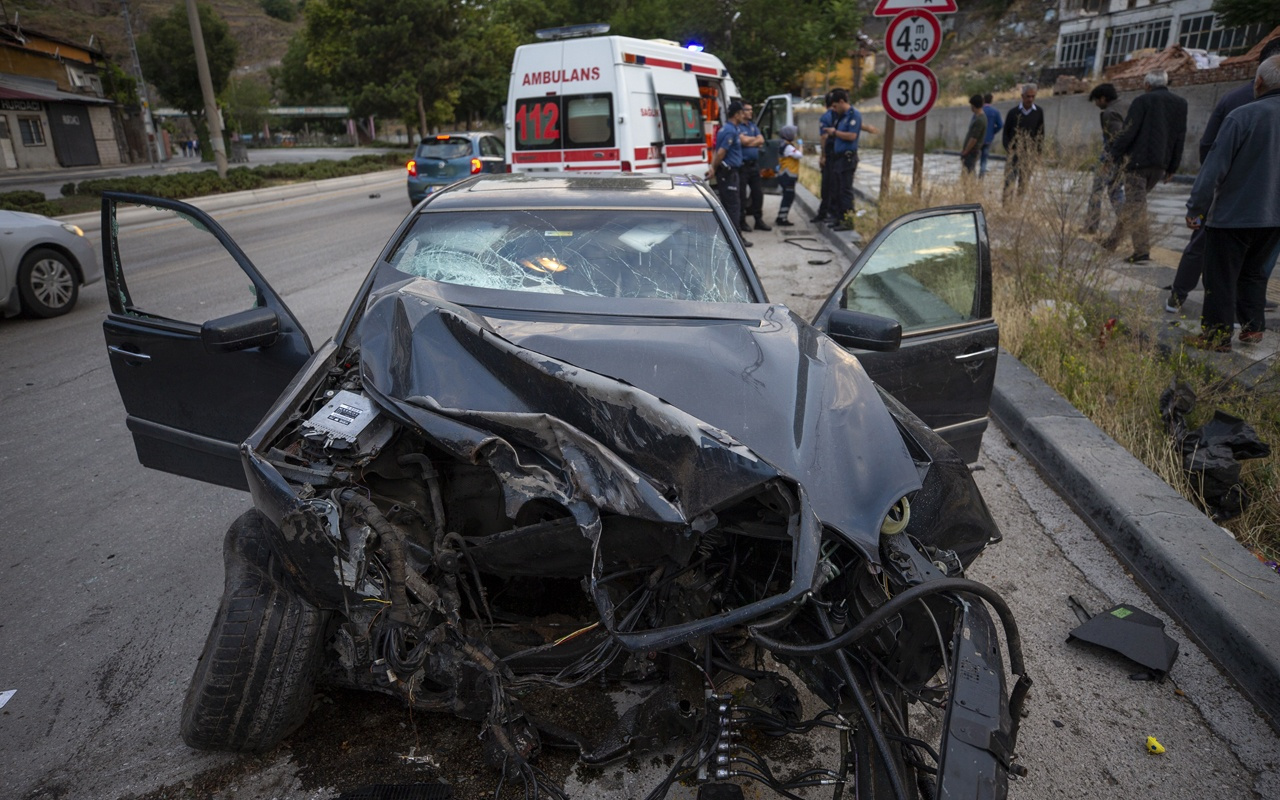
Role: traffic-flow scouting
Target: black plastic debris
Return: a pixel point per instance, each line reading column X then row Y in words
column 400, row 791
column 1132, row 633
column 1211, row 454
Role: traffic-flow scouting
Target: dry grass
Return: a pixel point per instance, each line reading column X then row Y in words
column 1093, row 337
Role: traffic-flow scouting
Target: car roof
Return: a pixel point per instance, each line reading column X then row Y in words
column 569, row 190
column 472, row 135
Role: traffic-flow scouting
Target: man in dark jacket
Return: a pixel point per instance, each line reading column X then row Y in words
column 1234, row 199
column 1106, row 175
column 1150, row 150
column 1192, row 262
column 1023, row 137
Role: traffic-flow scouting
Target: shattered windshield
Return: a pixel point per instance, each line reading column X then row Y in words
column 676, row 255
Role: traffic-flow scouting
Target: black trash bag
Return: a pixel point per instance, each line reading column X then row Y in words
column 1212, row 453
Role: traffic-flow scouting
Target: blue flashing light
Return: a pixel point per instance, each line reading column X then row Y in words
column 695, row 47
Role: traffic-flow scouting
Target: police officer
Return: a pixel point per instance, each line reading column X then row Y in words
column 726, row 164
column 752, row 197
column 826, row 162
column 845, row 151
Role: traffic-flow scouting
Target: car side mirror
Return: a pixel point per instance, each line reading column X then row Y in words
column 257, row 327
column 864, row 331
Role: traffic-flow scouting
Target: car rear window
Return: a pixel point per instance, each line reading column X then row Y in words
column 677, row 255
column 451, row 147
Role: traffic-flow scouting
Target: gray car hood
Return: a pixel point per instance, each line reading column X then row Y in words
column 660, row 418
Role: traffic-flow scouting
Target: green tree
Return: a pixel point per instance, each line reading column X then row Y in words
column 1248, row 12
column 296, row 84
column 402, row 59
column 245, row 102
column 168, row 58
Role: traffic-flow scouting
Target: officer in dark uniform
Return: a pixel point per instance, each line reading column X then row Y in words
column 845, row 132
column 752, row 197
column 726, row 164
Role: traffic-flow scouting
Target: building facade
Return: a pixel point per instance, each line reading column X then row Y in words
column 53, row 112
column 1096, row 34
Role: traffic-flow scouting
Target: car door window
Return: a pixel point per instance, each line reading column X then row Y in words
column 772, row 118
column 925, row 275
column 490, row 147
column 185, row 275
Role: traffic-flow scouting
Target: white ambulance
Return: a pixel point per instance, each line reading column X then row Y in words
column 613, row 104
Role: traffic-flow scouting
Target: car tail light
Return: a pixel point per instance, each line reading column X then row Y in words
column 412, row 166
column 626, row 166
column 475, row 166
column 508, row 167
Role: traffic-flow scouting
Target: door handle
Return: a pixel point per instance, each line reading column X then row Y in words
column 111, row 348
column 990, row 351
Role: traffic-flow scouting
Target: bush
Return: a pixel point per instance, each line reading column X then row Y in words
column 21, row 199
column 69, row 189
column 280, row 9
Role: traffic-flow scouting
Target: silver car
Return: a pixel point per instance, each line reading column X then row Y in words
column 43, row 263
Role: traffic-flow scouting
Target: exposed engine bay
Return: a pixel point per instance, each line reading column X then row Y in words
column 468, row 558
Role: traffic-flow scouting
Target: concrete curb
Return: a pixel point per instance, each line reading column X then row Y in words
column 91, row 222
column 1221, row 595
column 1217, row 590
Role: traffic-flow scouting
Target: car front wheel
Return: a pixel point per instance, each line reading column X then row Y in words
column 47, row 283
column 253, row 685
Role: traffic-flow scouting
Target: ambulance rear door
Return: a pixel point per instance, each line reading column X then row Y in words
column 561, row 108
column 775, row 113
column 681, row 141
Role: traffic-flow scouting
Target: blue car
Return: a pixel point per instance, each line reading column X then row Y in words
column 449, row 157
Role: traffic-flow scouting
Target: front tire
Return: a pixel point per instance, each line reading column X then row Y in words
column 48, row 283
column 253, row 685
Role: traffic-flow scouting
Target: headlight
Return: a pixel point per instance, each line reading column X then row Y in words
column 69, row 228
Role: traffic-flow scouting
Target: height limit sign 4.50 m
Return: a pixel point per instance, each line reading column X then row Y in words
column 913, row 36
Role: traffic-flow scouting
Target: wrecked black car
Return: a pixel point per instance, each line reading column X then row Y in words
column 561, row 439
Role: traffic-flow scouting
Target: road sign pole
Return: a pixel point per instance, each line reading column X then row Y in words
column 917, row 158
column 887, row 159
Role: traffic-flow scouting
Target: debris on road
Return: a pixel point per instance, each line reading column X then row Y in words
column 1154, row 747
column 1132, row 633
column 1212, row 453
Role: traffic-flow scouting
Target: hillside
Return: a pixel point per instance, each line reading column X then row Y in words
column 262, row 38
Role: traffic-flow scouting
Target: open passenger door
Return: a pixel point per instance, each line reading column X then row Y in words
column 930, row 272
column 776, row 112
column 206, row 346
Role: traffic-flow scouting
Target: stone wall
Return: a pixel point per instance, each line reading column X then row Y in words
column 1071, row 121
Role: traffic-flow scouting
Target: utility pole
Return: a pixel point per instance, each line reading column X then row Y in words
column 211, row 113
column 148, row 124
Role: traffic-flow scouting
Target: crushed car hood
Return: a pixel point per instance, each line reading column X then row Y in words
column 649, row 416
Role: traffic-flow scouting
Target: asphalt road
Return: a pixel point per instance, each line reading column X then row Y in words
column 112, row 572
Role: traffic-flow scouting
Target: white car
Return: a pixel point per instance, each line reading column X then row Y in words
column 43, row 263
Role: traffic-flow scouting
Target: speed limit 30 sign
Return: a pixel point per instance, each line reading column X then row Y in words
column 909, row 92
column 913, row 36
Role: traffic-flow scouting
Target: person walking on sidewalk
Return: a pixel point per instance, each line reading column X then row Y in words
column 726, row 164
column 994, row 126
column 1023, row 138
column 846, row 131
column 974, row 137
column 1191, row 265
column 752, row 197
column 1149, row 150
column 1235, row 200
column 788, row 173
column 1106, row 175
